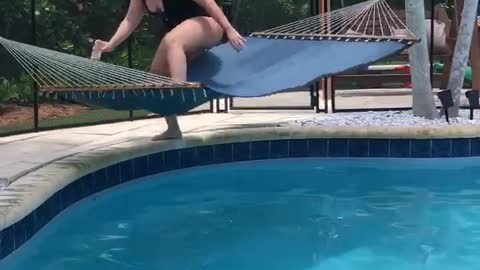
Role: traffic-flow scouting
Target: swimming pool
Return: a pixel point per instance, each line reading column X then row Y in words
column 287, row 214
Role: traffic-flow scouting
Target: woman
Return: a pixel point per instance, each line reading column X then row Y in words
column 192, row 27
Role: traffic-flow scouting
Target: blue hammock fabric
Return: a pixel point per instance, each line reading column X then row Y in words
column 264, row 67
column 267, row 66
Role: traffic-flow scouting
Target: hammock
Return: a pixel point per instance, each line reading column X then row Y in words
column 275, row 60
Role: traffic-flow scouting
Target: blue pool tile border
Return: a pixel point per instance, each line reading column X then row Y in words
column 14, row 236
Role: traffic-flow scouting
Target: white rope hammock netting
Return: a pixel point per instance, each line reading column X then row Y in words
column 370, row 20
column 58, row 71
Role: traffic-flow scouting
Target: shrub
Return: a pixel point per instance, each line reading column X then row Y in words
column 6, row 92
column 18, row 89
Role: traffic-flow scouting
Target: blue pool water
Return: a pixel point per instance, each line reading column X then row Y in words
column 277, row 215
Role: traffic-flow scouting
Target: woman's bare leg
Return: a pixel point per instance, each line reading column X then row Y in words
column 188, row 38
column 160, row 66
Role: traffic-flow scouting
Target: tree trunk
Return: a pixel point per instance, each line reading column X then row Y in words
column 475, row 59
column 451, row 41
column 462, row 52
column 423, row 102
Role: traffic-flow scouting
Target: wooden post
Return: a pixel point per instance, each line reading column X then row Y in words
column 324, row 6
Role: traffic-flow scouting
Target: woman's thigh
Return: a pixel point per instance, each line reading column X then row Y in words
column 195, row 35
column 159, row 63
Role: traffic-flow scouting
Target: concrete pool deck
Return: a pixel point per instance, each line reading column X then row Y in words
column 35, row 165
column 26, row 153
column 23, row 154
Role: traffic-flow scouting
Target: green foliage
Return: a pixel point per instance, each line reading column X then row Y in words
column 6, row 91
column 254, row 15
column 18, row 90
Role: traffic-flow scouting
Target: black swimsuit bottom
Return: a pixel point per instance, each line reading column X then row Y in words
column 178, row 11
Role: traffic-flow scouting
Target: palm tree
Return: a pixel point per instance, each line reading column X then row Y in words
column 462, row 52
column 423, row 102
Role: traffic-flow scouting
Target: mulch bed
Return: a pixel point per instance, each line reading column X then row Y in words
column 14, row 114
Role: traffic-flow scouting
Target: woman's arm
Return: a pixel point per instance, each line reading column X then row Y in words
column 217, row 14
column 133, row 18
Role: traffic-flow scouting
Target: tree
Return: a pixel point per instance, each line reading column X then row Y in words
column 462, row 52
column 423, row 102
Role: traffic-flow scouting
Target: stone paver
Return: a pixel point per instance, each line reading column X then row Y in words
column 24, row 154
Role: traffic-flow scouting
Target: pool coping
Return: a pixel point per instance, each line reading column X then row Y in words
column 34, row 189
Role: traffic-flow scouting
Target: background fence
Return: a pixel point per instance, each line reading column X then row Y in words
column 71, row 26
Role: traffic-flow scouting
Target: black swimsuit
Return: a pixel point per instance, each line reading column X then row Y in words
column 177, row 11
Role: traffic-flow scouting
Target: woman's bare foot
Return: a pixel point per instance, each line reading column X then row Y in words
column 173, row 130
column 169, row 134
